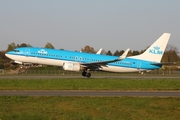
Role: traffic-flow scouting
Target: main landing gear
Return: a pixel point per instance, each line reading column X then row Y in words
column 86, row 73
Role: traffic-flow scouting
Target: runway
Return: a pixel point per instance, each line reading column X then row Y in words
column 91, row 93
column 103, row 76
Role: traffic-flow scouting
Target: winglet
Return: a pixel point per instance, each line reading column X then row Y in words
column 99, row 51
column 124, row 54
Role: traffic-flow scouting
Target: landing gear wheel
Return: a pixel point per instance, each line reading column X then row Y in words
column 88, row 75
column 84, row 73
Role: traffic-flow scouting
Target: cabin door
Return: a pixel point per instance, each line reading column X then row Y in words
column 138, row 65
column 27, row 52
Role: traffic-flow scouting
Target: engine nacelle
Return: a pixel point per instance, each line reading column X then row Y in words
column 71, row 66
column 16, row 62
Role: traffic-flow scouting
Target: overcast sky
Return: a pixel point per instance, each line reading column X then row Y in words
column 73, row 24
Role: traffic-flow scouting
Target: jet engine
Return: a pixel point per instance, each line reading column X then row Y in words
column 71, row 66
column 16, row 62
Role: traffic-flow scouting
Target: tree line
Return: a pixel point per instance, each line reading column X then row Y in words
column 170, row 55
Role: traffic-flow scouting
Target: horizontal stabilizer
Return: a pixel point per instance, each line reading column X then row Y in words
column 164, row 63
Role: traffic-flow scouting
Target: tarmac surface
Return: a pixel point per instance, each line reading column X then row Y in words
column 102, row 93
column 83, row 93
column 103, row 76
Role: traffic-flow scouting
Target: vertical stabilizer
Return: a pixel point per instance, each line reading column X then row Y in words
column 155, row 52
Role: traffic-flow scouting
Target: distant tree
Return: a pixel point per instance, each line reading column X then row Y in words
column 28, row 45
column 11, row 47
column 2, row 55
column 171, row 54
column 4, row 61
column 116, row 53
column 88, row 49
column 49, row 45
column 1, row 64
column 109, row 53
column 142, row 51
column 171, row 47
column 121, row 52
column 23, row 45
column 135, row 52
column 129, row 53
column 1, row 59
column 17, row 45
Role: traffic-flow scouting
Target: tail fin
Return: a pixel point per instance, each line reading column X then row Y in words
column 156, row 50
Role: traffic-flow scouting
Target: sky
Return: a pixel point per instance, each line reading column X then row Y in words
column 73, row 24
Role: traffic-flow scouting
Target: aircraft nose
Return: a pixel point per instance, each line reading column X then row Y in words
column 7, row 55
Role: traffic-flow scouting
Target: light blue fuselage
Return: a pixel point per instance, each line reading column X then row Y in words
column 57, row 57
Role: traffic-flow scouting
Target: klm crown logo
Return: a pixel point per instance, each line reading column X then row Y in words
column 156, row 50
column 42, row 51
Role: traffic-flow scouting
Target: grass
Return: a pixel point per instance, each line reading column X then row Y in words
column 90, row 84
column 88, row 108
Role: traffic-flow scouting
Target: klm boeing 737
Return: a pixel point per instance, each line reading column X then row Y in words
column 76, row 61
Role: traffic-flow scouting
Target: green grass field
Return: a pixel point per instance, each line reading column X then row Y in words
column 90, row 84
column 89, row 108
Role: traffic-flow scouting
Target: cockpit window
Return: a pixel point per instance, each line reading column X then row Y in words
column 16, row 50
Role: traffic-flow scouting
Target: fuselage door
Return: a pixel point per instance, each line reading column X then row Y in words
column 27, row 52
column 138, row 65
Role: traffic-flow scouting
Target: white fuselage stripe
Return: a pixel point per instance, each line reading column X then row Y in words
column 54, row 62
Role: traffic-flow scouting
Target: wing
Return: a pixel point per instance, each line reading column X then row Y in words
column 105, row 62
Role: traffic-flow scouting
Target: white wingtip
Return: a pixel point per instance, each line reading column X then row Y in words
column 99, row 51
column 124, row 54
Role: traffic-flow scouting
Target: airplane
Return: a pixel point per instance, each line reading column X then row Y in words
column 77, row 61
